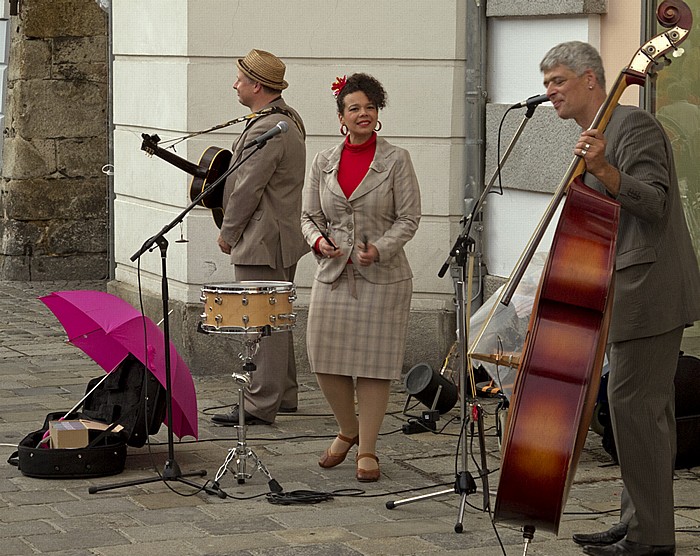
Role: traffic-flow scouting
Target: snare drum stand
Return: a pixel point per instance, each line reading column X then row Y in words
column 242, row 453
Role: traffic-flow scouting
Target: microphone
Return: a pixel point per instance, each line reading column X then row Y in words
column 532, row 101
column 281, row 127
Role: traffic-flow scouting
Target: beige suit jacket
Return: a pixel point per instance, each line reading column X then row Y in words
column 262, row 198
column 385, row 208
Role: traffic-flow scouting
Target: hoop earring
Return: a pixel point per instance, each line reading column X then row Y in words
column 343, row 129
column 379, row 126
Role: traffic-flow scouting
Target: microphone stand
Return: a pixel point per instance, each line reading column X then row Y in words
column 462, row 252
column 171, row 471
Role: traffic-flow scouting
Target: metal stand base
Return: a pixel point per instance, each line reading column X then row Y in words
column 171, row 472
column 464, row 482
column 471, row 412
column 464, row 486
column 241, row 453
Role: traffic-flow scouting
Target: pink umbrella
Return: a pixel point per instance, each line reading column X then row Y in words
column 107, row 328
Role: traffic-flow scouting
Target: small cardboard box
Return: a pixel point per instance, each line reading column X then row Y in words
column 68, row 434
column 98, row 426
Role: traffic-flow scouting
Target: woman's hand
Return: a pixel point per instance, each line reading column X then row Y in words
column 328, row 251
column 367, row 253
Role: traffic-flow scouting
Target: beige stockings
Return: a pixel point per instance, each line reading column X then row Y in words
column 372, row 402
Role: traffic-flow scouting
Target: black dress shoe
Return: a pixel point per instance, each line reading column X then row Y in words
column 611, row 536
column 230, row 419
column 629, row 548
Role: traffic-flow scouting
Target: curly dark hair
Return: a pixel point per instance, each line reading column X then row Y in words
column 365, row 83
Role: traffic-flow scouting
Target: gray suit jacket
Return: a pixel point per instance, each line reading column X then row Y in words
column 262, row 198
column 657, row 282
column 385, row 207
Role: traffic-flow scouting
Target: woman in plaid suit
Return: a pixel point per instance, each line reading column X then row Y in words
column 363, row 196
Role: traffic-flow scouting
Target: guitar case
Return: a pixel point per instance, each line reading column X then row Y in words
column 130, row 396
column 687, row 386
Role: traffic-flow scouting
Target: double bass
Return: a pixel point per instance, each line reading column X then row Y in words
column 559, row 371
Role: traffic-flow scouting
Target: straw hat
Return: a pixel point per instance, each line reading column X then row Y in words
column 265, row 68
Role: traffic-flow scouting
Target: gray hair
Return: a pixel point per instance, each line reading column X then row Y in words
column 578, row 57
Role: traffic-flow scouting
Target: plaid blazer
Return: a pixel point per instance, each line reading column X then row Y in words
column 385, row 208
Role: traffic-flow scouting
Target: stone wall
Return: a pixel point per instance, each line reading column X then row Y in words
column 53, row 195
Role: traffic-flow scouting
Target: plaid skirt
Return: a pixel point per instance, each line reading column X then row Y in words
column 359, row 337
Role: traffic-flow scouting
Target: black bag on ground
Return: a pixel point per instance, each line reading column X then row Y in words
column 687, row 385
column 105, row 455
column 119, row 400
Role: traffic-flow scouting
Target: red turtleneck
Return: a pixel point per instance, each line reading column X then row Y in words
column 354, row 163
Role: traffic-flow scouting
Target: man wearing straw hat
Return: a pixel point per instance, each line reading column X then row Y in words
column 261, row 226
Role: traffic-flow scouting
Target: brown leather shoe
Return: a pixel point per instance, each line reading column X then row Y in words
column 330, row 459
column 367, row 475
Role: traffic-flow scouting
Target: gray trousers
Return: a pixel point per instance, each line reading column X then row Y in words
column 642, row 406
column 274, row 382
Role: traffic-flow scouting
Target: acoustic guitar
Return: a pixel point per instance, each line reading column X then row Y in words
column 212, row 164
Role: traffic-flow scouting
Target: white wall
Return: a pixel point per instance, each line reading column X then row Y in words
column 516, row 47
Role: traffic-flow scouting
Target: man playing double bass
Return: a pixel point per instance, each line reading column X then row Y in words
column 657, row 294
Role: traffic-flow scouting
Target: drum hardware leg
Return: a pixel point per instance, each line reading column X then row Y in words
column 241, row 453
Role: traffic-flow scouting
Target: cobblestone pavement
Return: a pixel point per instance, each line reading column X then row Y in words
column 40, row 373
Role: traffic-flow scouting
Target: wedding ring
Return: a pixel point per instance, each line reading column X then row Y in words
column 584, row 152
column 587, row 146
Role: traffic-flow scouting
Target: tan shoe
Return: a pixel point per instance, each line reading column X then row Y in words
column 367, row 475
column 330, row 459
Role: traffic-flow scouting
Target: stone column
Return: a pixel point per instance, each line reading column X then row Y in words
column 53, row 195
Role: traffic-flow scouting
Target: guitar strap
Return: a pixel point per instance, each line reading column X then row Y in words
column 290, row 115
column 247, row 118
column 266, row 112
column 259, row 114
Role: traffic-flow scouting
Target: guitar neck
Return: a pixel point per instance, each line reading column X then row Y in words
column 185, row 165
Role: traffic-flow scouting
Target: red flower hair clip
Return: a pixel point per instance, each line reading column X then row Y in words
column 338, row 85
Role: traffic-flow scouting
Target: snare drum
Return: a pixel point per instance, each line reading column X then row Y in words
column 248, row 306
